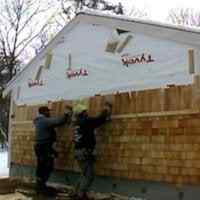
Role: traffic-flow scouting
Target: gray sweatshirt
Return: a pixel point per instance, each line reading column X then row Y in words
column 44, row 127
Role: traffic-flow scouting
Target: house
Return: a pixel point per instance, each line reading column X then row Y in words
column 151, row 73
column 108, row 54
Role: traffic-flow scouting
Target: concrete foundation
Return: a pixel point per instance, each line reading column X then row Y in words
column 142, row 189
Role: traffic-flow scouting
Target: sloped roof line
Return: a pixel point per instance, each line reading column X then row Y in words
column 79, row 18
column 142, row 21
column 178, row 34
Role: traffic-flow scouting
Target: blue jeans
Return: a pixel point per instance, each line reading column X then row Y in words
column 45, row 162
column 86, row 162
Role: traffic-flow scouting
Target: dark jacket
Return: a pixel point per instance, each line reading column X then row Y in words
column 44, row 126
column 84, row 130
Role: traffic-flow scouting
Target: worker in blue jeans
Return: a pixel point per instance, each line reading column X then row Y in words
column 45, row 138
column 85, row 141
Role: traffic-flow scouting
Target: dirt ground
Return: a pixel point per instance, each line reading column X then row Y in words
column 15, row 196
column 25, row 190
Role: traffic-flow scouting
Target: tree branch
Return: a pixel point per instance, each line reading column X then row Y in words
column 28, row 20
column 30, row 40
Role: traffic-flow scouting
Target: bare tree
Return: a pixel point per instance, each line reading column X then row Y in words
column 57, row 22
column 184, row 16
column 137, row 13
column 20, row 26
column 41, row 41
column 71, row 7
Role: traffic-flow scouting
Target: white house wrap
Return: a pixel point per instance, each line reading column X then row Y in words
column 98, row 54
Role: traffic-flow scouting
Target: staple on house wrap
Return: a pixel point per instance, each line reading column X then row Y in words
column 124, row 44
column 113, row 42
column 191, row 61
column 48, row 60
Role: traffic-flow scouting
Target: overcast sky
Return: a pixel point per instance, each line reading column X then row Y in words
column 158, row 9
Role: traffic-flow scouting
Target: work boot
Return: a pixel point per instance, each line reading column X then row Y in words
column 40, row 186
column 50, row 191
column 46, row 191
column 83, row 196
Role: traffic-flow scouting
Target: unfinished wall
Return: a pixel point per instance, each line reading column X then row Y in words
column 154, row 135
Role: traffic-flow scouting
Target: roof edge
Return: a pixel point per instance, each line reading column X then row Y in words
column 142, row 21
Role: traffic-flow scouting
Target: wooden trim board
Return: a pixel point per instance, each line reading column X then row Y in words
column 137, row 115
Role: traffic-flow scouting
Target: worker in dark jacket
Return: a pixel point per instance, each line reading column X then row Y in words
column 45, row 138
column 85, row 141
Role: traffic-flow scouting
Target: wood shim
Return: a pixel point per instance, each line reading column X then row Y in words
column 111, row 47
column 39, row 72
column 124, row 44
column 191, row 61
column 136, row 115
column 48, row 60
column 69, row 61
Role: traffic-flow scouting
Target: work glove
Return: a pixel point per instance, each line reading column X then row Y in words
column 68, row 110
column 108, row 109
